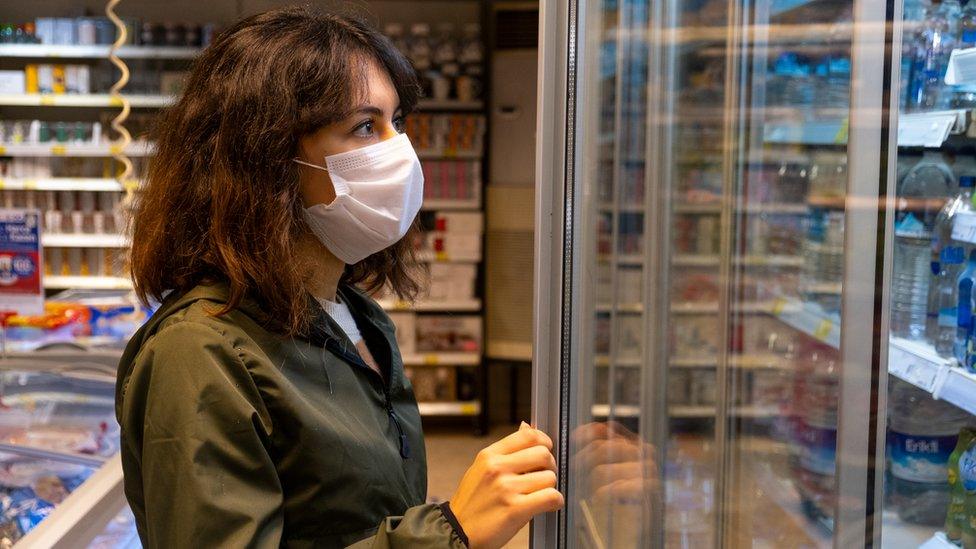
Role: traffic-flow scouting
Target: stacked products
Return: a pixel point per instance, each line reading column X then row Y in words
column 90, row 31
column 946, row 26
column 450, row 64
column 446, row 134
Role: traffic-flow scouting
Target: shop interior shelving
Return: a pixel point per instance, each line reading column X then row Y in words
column 81, row 106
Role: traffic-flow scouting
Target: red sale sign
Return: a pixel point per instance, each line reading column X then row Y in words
column 21, row 285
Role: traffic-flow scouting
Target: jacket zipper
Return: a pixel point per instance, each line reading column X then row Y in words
column 404, row 445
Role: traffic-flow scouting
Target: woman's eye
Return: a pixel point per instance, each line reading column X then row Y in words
column 399, row 124
column 364, row 130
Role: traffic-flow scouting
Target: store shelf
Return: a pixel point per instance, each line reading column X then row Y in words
column 918, row 364
column 84, row 241
column 434, row 154
column 92, row 100
column 61, row 184
column 938, row 541
column 626, row 308
column 684, row 411
column 441, row 409
column 87, row 282
column 449, row 105
column 444, row 257
column 704, row 260
column 41, row 150
column 460, row 305
column 808, row 318
column 754, row 307
column 451, row 204
column 603, row 361
column 776, row 209
column 698, row 209
column 928, row 129
column 38, row 51
column 745, row 362
column 442, row 359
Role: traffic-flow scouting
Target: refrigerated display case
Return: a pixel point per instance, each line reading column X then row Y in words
column 753, row 221
column 60, row 472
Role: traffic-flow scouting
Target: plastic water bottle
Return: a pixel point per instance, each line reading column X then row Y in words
column 936, row 40
column 945, row 289
column 930, row 178
column 964, row 314
column 967, row 26
column 956, row 516
column 922, row 433
column 817, row 390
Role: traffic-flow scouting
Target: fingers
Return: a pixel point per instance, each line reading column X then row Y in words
column 525, row 437
column 536, row 458
column 534, row 481
column 541, row 501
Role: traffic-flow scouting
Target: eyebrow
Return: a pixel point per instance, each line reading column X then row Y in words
column 370, row 109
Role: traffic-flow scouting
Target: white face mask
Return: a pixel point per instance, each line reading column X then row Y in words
column 379, row 190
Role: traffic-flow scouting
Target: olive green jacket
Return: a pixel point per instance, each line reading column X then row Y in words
column 233, row 436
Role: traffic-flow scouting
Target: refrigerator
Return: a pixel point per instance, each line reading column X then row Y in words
column 753, row 314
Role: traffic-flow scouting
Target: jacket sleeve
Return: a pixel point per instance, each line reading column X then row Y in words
column 195, row 450
column 422, row 526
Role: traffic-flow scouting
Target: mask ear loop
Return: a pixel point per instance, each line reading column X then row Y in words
column 310, row 165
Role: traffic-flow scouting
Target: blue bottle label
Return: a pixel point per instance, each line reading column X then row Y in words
column 967, row 468
column 819, row 448
column 921, row 458
column 947, row 317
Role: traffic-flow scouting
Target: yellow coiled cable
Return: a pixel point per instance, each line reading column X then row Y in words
column 129, row 183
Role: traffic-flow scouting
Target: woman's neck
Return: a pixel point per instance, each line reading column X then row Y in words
column 325, row 269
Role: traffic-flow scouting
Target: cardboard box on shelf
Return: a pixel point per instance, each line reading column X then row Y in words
column 12, row 82
column 459, row 222
column 454, row 244
column 406, row 331
column 450, row 281
column 434, row 384
column 448, row 333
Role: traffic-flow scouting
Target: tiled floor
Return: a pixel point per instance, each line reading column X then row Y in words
column 449, row 453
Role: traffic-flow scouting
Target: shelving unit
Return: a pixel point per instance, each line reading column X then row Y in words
column 48, row 51
column 61, row 184
column 45, row 150
column 93, row 100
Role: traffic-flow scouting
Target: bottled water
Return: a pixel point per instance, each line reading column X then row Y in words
column 964, row 314
column 967, row 26
column 922, row 433
column 951, row 258
column 935, row 42
column 930, row 179
column 945, row 289
column 817, row 391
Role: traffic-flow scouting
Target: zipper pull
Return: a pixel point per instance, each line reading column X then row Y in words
column 404, row 445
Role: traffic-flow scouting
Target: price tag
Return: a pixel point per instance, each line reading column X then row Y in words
column 441, row 256
column 964, row 227
column 823, row 330
column 469, row 409
column 400, row 305
column 912, row 369
column 432, row 360
column 30, row 184
column 778, row 306
column 3, row 150
column 115, row 149
column 59, row 150
column 47, row 100
column 114, row 101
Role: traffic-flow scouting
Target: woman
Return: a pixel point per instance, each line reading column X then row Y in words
column 265, row 403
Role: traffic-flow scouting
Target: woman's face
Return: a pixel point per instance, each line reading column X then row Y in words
column 376, row 119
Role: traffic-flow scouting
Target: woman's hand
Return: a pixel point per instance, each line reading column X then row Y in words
column 509, row 482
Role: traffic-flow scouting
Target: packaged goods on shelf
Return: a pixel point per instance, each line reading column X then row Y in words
column 406, row 331
column 695, row 287
column 33, row 132
column 449, row 64
column 771, row 388
column 678, row 384
column 452, row 281
column 625, row 384
column 444, row 333
column 702, row 390
column 630, row 336
column 446, row 133
column 630, row 285
column 84, row 262
column 452, row 244
column 452, row 179
column 72, row 212
column 458, row 222
column 434, row 384
column 91, row 31
column 72, row 321
column 694, row 336
column 630, row 233
column 12, row 82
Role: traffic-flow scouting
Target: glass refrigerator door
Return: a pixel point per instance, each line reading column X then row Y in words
column 711, row 337
column 930, row 470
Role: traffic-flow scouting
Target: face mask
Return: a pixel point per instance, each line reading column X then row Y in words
column 379, row 190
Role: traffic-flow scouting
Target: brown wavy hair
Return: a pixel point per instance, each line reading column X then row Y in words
column 221, row 200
